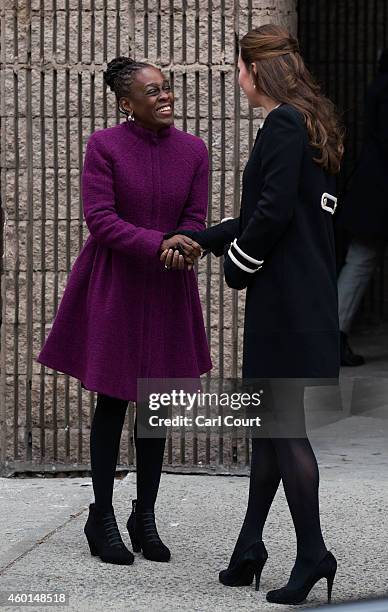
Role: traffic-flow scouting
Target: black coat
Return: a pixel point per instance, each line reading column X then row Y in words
column 291, row 314
column 364, row 210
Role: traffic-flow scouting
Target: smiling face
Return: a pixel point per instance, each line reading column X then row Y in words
column 246, row 83
column 150, row 99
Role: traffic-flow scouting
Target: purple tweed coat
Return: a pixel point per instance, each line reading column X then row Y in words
column 123, row 316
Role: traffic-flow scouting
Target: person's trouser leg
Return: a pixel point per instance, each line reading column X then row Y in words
column 360, row 263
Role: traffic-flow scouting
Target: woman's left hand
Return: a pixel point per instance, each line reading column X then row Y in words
column 174, row 258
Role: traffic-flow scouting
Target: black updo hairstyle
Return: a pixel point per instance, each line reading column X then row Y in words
column 119, row 76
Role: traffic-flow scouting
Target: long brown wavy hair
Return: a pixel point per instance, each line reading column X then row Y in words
column 283, row 76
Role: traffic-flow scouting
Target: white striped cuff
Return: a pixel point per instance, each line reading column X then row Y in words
column 241, row 265
column 258, row 262
column 227, row 219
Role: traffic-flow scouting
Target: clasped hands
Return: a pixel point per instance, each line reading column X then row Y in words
column 179, row 252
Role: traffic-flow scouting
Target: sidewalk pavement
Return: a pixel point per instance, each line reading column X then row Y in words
column 43, row 547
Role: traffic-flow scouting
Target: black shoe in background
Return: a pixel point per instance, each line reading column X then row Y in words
column 348, row 358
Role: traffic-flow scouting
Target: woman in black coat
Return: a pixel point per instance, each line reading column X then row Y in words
column 281, row 250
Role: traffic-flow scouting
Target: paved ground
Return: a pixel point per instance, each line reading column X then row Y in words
column 43, row 546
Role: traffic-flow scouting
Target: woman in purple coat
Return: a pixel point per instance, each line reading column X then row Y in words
column 124, row 314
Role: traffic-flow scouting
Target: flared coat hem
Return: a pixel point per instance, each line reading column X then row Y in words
column 90, row 384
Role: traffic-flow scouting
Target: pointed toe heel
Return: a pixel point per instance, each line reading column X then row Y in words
column 330, row 581
column 245, row 567
column 326, row 568
column 257, row 578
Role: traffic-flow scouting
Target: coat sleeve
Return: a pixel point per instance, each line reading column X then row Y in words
column 194, row 212
column 214, row 239
column 217, row 237
column 99, row 207
column 282, row 146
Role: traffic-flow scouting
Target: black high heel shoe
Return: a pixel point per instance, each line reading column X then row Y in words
column 325, row 569
column 144, row 535
column 244, row 566
column 104, row 538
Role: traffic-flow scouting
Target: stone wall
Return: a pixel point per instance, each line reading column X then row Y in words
column 52, row 97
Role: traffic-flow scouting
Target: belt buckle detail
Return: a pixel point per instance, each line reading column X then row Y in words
column 324, row 200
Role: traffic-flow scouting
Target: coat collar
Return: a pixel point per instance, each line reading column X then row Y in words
column 147, row 134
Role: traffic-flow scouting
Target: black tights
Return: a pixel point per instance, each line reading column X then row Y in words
column 291, row 460
column 105, row 437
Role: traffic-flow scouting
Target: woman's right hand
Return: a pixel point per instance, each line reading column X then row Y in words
column 215, row 237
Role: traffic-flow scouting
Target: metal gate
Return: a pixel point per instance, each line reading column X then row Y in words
column 341, row 41
column 53, row 53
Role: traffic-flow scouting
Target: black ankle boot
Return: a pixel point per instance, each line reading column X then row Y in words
column 144, row 536
column 104, row 538
column 348, row 358
column 325, row 569
column 245, row 565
